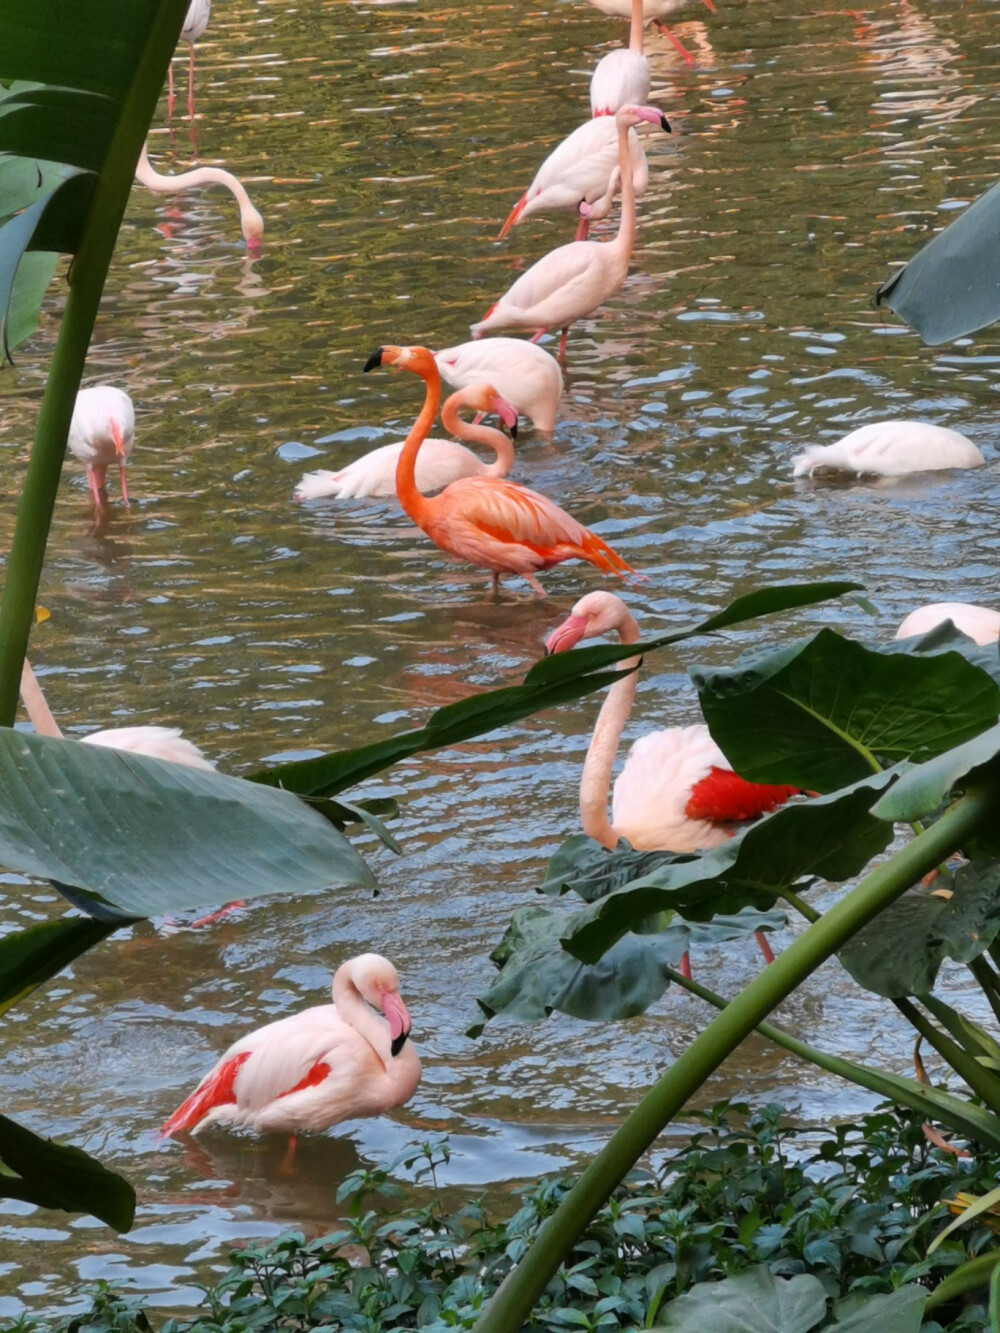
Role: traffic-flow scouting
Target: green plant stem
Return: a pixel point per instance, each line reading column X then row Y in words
column 86, row 283
column 514, row 1299
column 983, row 1083
column 975, row 1273
column 989, row 983
column 801, row 906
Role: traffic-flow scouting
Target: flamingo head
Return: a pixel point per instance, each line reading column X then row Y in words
column 484, row 398
column 398, row 1019
column 418, row 360
column 635, row 115
column 252, row 226
column 596, row 614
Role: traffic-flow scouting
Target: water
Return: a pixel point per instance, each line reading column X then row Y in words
column 385, row 144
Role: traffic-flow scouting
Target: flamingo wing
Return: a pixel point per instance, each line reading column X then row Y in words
column 438, row 463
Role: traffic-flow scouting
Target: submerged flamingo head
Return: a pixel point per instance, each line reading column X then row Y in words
column 252, row 226
column 635, row 115
column 596, row 614
column 484, row 398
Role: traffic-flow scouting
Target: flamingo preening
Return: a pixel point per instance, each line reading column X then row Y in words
column 890, row 449
column 251, row 222
column 309, row 1071
column 102, row 432
column 195, row 23
column 574, row 280
column 655, row 11
column 488, row 521
column 439, row 462
column 677, row 791
column 523, row 373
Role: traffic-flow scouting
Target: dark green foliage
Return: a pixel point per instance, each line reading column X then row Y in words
column 857, row 1212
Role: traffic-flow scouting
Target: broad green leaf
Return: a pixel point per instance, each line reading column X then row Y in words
column 833, row 837
column 752, row 1302
column 974, row 1273
column 34, row 273
column 582, row 866
column 52, row 1175
column 899, row 1311
column 927, row 786
column 982, row 1205
column 29, row 957
column 551, row 681
column 825, row 712
column 148, row 836
column 951, row 287
column 539, row 976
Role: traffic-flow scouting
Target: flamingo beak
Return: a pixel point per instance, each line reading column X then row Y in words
column 116, row 435
column 566, row 635
column 507, row 414
column 375, row 359
column 398, row 1018
column 708, row 5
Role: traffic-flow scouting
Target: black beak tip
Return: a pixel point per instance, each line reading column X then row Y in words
column 397, row 1042
column 665, row 124
column 374, row 360
column 513, row 431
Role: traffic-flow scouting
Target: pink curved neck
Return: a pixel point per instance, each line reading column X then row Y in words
column 595, row 780
column 417, row 505
column 637, row 28
column 625, row 238
column 355, row 1010
column 147, row 175
column 472, row 433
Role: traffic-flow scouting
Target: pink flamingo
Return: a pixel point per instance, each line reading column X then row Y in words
column 622, row 77
column 890, row 449
column 195, row 23
column 330, row 1063
column 102, row 432
column 677, row 791
column 523, row 373
column 654, row 11
column 488, row 521
column 978, row 622
column 572, row 281
column 251, row 222
column 440, row 461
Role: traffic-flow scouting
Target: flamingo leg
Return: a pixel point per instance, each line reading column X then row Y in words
column 121, row 473
column 532, row 582
column 562, row 344
column 95, row 489
column 170, row 90
column 217, row 916
column 191, row 84
column 676, row 43
column 582, row 230
column 540, row 334
column 289, row 1159
column 686, row 965
column 765, row 948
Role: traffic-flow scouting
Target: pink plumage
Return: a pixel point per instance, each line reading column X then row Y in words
column 622, row 77
column 526, row 375
column 102, row 432
column 978, row 622
column 330, row 1063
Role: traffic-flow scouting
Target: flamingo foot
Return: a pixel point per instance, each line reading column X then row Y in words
column 539, row 335
column 685, row 968
column 288, row 1162
column 676, row 43
column 217, row 916
column 765, row 948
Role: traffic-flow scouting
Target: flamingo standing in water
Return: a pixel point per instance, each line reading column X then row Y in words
column 313, row 1069
column 195, row 23
column 622, row 77
column 102, row 432
column 890, row 449
column 251, row 222
column 654, row 11
column 572, row 281
column 526, row 375
column 490, row 522
column 439, row 463
column 978, row 622
column 677, row 791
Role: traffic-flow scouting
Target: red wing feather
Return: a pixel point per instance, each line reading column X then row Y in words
column 315, row 1076
column 216, row 1090
column 727, row 798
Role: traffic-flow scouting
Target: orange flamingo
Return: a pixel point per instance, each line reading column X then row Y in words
column 488, row 521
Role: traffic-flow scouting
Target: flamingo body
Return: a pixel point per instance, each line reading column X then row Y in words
column 526, row 375
column 196, row 20
column 488, row 521
column 619, row 78
column 890, row 449
column 156, row 742
column 251, row 222
column 978, row 622
column 653, row 11
column 102, row 432
column 439, row 462
column 329, row 1063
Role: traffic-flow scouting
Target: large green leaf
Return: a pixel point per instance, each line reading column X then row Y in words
column 553, row 680
column 29, row 957
column 582, row 866
column 952, row 286
column 825, row 712
column 752, row 1302
column 148, row 836
column 899, row 1311
column 52, row 1175
column 832, row 836
column 928, row 785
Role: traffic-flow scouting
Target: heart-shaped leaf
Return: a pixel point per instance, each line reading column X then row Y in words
column 752, row 1302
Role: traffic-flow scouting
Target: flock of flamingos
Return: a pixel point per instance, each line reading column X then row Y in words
column 677, row 792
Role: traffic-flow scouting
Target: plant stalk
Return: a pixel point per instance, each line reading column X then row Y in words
column 86, row 283
column 513, row 1301
column 989, row 982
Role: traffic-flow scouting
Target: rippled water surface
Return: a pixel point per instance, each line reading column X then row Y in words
column 385, row 143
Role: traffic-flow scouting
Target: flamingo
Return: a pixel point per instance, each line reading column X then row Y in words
column 440, row 461
column 195, row 23
column 486, row 520
column 526, row 375
column 891, row 449
column 654, row 11
column 677, row 791
column 102, row 432
column 330, row 1063
column 571, row 282
column 622, row 76
column 978, row 622
column 251, row 222
column 580, row 168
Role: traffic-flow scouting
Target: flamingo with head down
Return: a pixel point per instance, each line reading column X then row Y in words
column 309, row 1071
column 890, row 449
column 102, row 432
column 251, row 222
column 487, row 521
column 677, row 791
column 571, row 282
column 980, row 623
